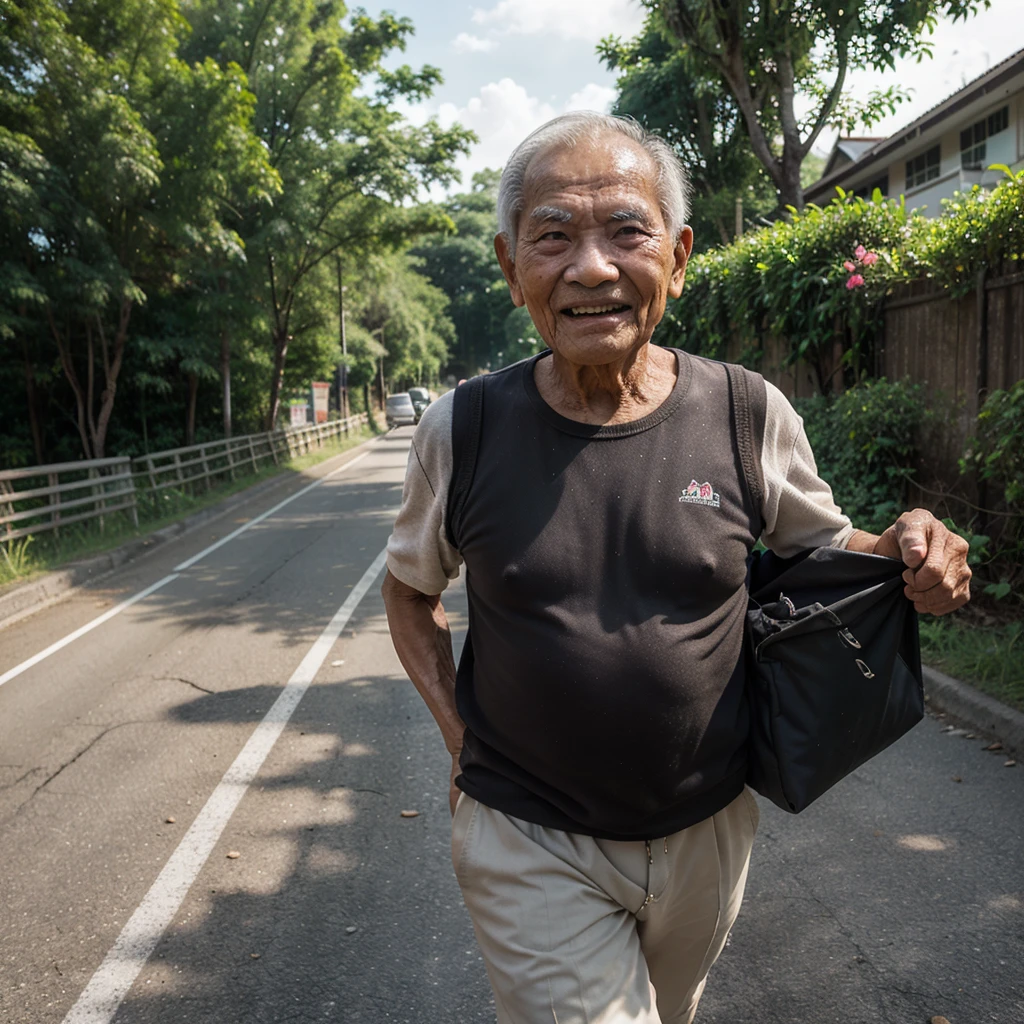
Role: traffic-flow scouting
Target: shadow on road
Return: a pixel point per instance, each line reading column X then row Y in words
column 338, row 908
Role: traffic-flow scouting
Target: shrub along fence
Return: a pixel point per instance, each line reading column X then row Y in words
column 38, row 499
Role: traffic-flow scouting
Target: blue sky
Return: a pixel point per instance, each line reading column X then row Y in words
column 510, row 65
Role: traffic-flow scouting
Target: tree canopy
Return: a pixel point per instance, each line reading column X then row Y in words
column 177, row 182
column 767, row 54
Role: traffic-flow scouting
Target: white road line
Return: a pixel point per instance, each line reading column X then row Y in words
column 121, row 966
column 270, row 511
column 82, row 630
column 117, row 609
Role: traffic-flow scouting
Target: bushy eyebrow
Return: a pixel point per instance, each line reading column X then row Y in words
column 554, row 213
column 630, row 214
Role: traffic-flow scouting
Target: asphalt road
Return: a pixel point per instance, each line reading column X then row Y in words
column 899, row 896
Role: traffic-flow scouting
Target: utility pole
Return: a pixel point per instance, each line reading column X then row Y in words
column 343, row 404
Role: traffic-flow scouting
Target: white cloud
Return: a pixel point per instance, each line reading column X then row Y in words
column 589, row 20
column 466, row 43
column 593, row 97
column 502, row 114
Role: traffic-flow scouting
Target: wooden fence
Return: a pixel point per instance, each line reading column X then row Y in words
column 958, row 350
column 42, row 498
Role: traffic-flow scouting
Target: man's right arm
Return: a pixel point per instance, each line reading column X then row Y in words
column 423, row 641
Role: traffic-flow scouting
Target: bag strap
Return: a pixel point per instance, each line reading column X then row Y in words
column 750, row 407
column 467, row 419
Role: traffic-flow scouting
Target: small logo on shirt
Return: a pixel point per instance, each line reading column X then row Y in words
column 700, row 494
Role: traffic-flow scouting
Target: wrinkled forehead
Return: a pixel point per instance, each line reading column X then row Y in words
column 608, row 167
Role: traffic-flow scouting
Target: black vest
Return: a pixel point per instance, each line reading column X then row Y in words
column 605, row 573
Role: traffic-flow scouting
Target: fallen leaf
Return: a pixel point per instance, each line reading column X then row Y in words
column 956, row 778
column 1009, row 764
column 972, row 736
column 876, row 833
column 995, row 746
column 410, row 814
column 170, row 821
column 350, row 929
column 939, row 1020
column 255, row 956
column 335, row 664
column 233, row 855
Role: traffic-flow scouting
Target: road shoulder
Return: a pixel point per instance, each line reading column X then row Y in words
column 982, row 713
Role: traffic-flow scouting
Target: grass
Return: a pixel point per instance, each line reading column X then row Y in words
column 987, row 655
column 23, row 559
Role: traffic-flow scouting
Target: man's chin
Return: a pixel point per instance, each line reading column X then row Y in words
column 588, row 347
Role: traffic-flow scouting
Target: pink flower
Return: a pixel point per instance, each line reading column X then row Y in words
column 860, row 252
column 851, row 267
column 854, row 281
column 869, row 258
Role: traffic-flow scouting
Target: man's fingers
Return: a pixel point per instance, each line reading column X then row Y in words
column 953, row 592
column 913, row 541
column 932, row 569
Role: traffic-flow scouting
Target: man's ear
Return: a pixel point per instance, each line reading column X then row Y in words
column 508, row 268
column 681, row 254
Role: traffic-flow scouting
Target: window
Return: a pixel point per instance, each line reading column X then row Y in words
column 867, row 191
column 923, row 167
column 973, row 139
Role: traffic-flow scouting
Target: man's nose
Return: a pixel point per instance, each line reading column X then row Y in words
column 592, row 264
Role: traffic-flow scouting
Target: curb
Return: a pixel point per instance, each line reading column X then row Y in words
column 28, row 598
column 981, row 712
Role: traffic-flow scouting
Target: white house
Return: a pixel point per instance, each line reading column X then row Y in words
column 946, row 150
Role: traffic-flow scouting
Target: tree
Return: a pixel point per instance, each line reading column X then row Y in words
column 352, row 168
column 136, row 185
column 768, row 53
column 667, row 90
column 464, row 266
column 408, row 316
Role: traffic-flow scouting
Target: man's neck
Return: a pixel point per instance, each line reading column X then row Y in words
column 612, row 393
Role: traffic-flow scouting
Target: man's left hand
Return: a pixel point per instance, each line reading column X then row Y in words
column 938, row 578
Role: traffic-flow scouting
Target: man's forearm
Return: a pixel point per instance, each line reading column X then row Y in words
column 423, row 641
column 862, row 541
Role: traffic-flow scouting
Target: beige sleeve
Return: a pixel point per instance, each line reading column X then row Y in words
column 418, row 550
column 799, row 511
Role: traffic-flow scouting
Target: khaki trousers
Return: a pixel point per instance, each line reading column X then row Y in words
column 577, row 930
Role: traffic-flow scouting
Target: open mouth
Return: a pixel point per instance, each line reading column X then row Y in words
column 582, row 312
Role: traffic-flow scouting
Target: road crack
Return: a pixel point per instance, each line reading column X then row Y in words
column 182, row 679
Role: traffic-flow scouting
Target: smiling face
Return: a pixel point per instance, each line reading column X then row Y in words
column 594, row 262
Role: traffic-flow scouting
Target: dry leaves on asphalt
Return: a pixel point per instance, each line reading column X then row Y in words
column 939, row 1020
column 233, row 855
column 410, row 814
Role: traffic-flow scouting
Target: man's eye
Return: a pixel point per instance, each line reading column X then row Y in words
column 557, row 236
column 631, row 229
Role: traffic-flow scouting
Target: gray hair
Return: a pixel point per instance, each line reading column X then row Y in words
column 672, row 185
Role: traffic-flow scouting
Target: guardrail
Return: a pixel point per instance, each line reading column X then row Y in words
column 41, row 498
column 96, row 488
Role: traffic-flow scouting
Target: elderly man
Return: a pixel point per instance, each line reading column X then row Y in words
column 601, row 829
